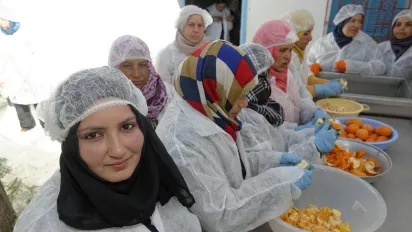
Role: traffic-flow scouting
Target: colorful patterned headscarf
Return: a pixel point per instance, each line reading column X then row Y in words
column 212, row 78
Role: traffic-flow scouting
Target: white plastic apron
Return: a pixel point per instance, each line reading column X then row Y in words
column 289, row 100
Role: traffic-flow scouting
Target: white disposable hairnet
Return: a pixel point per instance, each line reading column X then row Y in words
column 404, row 13
column 86, row 92
column 190, row 10
column 128, row 47
column 260, row 56
column 300, row 20
column 275, row 33
column 348, row 11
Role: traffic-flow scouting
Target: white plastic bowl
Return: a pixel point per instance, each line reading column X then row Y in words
column 360, row 203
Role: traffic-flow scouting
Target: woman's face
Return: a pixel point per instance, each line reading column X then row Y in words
column 282, row 58
column 137, row 71
column 354, row 25
column 111, row 142
column 402, row 28
column 240, row 103
column 305, row 39
column 194, row 29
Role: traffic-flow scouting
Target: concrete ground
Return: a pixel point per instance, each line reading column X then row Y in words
column 35, row 158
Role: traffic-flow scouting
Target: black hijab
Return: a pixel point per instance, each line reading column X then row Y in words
column 341, row 39
column 87, row 202
column 400, row 46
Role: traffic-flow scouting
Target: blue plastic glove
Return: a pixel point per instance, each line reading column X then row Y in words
column 304, row 182
column 325, row 139
column 312, row 124
column 330, row 89
column 289, row 160
column 320, row 114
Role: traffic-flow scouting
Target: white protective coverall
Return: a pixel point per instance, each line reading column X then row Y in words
column 19, row 69
column 215, row 29
column 402, row 67
column 208, row 159
column 169, row 58
column 361, row 55
column 41, row 214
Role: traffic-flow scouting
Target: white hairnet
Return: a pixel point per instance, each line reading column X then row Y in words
column 260, row 56
column 190, row 10
column 404, row 13
column 127, row 47
column 300, row 20
column 86, row 92
column 275, row 33
column 348, row 11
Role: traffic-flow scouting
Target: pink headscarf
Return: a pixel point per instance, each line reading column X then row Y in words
column 273, row 35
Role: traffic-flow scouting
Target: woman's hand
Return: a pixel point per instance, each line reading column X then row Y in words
column 229, row 18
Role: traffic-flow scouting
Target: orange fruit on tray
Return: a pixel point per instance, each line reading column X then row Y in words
column 377, row 130
column 373, row 136
column 358, row 122
column 368, row 127
column 382, row 139
column 352, row 128
column 348, row 122
column 351, row 136
column 385, row 131
column 370, row 140
column 362, row 134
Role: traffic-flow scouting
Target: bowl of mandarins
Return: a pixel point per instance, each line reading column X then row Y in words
column 367, row 130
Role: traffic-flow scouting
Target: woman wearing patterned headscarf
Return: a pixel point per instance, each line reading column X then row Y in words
column 132, row 56
column 235, row 189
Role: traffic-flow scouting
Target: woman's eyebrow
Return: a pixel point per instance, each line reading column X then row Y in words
column 94, row 128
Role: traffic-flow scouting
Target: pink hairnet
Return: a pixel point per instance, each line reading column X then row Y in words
column 275, row 33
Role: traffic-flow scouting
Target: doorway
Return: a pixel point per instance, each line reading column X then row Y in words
column 235, row 7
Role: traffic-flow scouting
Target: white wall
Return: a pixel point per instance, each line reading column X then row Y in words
column 260, row 11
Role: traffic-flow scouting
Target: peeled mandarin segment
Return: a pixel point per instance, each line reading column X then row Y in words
column 303, row 164
column 372, row 160
column 357, row 172
column 360, row 153
column 319, row 229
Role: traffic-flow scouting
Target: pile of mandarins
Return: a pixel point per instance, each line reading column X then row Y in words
column 357, row 130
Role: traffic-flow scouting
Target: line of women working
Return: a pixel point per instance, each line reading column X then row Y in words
column 227, row 141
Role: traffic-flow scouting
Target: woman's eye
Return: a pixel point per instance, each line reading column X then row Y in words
column 92, row 135
column 127, row 126
column 143, row 65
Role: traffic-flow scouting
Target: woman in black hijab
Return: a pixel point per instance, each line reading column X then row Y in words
column 397, row 51
column 115, row 174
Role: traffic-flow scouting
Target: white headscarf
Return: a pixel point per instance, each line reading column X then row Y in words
column 181, row 42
